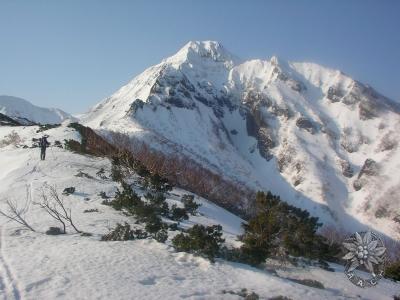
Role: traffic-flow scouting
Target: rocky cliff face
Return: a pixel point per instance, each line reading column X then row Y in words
column 303, row 131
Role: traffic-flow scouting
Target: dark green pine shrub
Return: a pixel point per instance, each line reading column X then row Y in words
column 141, row 170
column 158, row 202
column 73, row 146
column 124, row 233
column 278, row 230
column 116, row 170
column 393, row 271
column 119, row 233
column 58, row 144
column 200, row 240
column 101, row 173
column 190, row 205
column 103, row 195
column 309, row 282
column 178, row 214
column 45, row 127
column 157, row 183
column 173, row 227
column 125, row 199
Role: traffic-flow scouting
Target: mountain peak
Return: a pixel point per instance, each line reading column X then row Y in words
column 25, row 112
column 213, row 50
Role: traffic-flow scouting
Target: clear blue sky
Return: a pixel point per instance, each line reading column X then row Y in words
column 72, row 54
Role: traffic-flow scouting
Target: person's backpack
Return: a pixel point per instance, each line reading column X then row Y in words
column 43, row 142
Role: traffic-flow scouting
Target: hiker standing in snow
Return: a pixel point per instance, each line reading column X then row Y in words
column 43, row 143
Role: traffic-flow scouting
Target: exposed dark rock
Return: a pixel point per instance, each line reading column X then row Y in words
column 54, row 231
column 358, row 184
column 135, row 105
column 370, row 168
column 178, row 102
column 286, row 157
column 257, row 128
column 200, row 98
column 306, row 124
column 367, row 110
column 347, row 170
column 382, row 212
column 251, row 125
column 281, row 76
column 234, row 132
column 334, row 94
column 355, row 94
column 68, row 191
column 351, row 99
column 388, row 142
column 296, row 85
column 226, row 101
column 280, row 111
column 265, row 143
column 397, row 219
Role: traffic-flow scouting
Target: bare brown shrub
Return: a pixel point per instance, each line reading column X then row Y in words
column 11, row 139
column 185, row 173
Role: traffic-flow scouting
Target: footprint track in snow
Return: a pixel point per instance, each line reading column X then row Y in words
column 8, row 281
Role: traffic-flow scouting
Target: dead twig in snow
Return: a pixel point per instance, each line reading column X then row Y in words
column 17, row 214
column 55, row 207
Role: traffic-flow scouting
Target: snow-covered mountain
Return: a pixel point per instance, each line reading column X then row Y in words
column 26, row 113
column 34, row 265
column 318, row 138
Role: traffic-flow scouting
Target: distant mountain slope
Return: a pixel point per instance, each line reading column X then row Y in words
column 34, row 265
column 320, row 139
column 7, row 121
column 26, row 113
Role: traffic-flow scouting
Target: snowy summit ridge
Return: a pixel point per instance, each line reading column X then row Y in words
column 318, row 138
column 26, row 113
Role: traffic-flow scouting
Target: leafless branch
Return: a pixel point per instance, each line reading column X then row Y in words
column 16, row 214
column 54, row 206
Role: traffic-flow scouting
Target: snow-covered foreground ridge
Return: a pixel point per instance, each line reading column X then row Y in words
column 316, row 137
column 25, row 112
column 38, row 266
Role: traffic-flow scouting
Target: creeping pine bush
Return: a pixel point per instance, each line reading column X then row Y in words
column 116, row 170
column 101, row 173
column 45, row 127
column 124, row 233
column 200, row 240
column 393, row 271
column 190, row 205
column 157, row 203
column 279, row 230
column 125, row 198
column 157, row 183
column 145, row 212
column 157, row 229
column 119, row 233
column 178, row 214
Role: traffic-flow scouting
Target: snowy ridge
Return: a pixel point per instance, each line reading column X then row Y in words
column 301, row 130
column 26, row 113
column 71, row 266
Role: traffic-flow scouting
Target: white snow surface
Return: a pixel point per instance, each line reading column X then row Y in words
column 195, row 103
column 27, row 113
column 37, row 266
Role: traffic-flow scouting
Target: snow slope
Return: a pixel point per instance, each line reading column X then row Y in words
column 26, row 113
column 301, row 130
column 38, row 266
